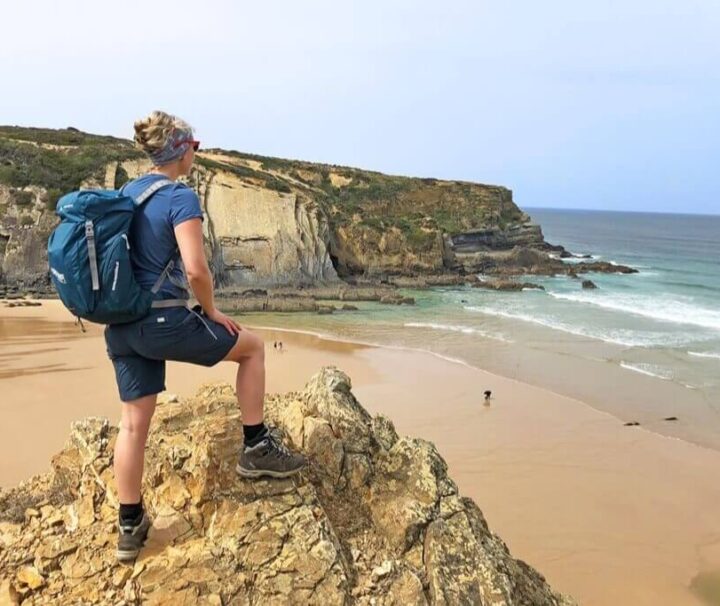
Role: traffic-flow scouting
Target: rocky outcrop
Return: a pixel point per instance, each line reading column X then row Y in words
column 375, row 519
column 505, row 284
column 526, row 234
column 234, row 300
column 522, row 260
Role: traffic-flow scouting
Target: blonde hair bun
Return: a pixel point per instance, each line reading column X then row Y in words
column 153, row 131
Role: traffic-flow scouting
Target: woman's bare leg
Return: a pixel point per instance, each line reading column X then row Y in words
column 249, row 353
column 129, row 457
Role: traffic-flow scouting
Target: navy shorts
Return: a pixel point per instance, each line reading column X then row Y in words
column 138, row 350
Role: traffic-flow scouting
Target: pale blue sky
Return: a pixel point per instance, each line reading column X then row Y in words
column 612, row 105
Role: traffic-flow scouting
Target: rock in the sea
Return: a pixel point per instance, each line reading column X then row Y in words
column 397, row 299
column 507, row 285
column 374, row 519
column 588, row 284
column 523, row 260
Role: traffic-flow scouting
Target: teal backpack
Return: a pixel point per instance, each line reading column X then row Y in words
column 89, row 256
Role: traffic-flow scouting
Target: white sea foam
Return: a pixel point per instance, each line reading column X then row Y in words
column 623, row 337
column 468, row 330
column 655, row 308
column 581, row 258
column 650, row 370
column 705, row 354
column 536, row 320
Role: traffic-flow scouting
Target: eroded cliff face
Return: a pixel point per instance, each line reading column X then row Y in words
column 24, row 230
column 374, row 520
column 268, row 222
column 255, row 236
column 262, row 237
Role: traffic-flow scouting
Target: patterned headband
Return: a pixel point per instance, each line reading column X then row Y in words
column 175, row 147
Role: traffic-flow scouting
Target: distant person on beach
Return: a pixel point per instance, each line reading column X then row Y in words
column 169, row 227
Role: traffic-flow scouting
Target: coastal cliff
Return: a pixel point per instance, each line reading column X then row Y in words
column 375, row 519
column 269, row 222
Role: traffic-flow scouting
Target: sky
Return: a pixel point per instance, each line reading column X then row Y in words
column 601, row 105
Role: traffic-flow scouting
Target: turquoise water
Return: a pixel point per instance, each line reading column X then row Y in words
column 666, row 319
column 641, row 346
column 672, row 302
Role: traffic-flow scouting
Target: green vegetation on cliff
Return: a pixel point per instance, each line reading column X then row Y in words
column 418, row 207
column 60, row 160
column 57, row 160
column 243, row 172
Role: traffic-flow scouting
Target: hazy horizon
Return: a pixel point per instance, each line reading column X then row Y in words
column 600, row 107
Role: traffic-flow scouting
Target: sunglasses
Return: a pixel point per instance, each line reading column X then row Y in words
column 195, row 144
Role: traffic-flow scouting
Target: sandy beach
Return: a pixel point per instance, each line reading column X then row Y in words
column 610, row 514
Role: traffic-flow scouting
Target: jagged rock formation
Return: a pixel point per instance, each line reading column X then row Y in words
column 522, row 260
column 506, row 284
column 374, row 520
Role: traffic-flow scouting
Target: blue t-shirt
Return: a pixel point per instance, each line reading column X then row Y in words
column 152, row 236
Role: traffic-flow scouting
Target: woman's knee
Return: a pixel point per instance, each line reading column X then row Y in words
column 248, row 346
column 136, row 429
column 137, row 415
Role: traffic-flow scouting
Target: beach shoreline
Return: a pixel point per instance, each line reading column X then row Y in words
column 608, row 513
column 585, row 370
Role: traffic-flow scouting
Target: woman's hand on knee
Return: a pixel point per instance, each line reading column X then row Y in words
column 230, row 325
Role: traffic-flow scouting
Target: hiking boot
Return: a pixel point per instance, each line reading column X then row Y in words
column 132, row 538
column 269, row 457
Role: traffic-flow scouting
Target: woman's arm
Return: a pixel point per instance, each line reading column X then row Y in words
column 189, row 237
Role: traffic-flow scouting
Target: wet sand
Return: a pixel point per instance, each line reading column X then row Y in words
column 613, row 515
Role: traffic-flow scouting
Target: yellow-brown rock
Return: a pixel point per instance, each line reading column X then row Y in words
column 373, row 520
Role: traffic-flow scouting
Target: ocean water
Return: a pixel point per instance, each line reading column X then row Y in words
column 642, row 346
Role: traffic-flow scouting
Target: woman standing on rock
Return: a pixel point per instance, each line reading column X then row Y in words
column 168, row 227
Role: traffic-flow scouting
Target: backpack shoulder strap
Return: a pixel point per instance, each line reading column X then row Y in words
column 139, row 201
column 145, row 195
column 149, row 191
